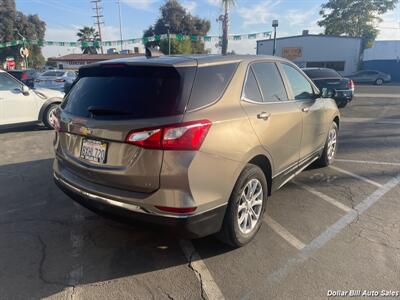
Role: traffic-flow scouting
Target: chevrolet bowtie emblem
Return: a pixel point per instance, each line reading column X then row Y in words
column 85, row 131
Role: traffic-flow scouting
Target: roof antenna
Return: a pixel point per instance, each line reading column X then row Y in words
column 152, row 52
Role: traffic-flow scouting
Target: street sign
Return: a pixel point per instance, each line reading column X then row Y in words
column 24, row 52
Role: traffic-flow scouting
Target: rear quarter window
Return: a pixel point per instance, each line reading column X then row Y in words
column 210, row 84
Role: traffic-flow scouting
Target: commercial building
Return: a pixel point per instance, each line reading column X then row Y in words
column 383, row 56
column 309, row 50
column 75, row 61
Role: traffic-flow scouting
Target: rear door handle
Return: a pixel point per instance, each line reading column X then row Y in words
column 263, row 115
column 305, row 109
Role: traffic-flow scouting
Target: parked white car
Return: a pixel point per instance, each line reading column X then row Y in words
column 55, row 79
column 20, row 104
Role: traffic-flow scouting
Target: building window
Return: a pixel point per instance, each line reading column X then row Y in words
column 336, row 65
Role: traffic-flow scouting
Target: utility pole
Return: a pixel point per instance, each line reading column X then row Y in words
column 120, row 21
column 98, row 19
column 225, row 29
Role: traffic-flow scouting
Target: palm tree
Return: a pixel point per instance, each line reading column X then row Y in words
column 88, row 34
column 226, row 4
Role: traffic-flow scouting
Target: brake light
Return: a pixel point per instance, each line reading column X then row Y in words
column 176, row 210
column 351, row 84
column 181, row 136
column 60, row 80
column 24, row 76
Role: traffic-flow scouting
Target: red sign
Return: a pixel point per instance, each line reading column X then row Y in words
column 10, row 65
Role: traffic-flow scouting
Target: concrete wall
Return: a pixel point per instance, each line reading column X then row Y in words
column 317, row 48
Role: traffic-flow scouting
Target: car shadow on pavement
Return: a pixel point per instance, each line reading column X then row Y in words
column 49, row 243
column 23, row 128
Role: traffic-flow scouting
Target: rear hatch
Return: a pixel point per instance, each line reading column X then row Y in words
column 107, row 103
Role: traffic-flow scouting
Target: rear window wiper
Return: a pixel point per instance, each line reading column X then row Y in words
column 102, row 110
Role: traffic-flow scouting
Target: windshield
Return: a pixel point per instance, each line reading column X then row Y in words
column 322, row 73
column 137, row 92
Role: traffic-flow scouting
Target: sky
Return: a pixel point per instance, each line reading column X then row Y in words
column 65, row 17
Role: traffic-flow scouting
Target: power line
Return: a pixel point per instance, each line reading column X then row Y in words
column 98, row 19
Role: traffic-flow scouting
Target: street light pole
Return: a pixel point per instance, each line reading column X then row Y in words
column 169, row 39
column 120, row 21
column 275, row 25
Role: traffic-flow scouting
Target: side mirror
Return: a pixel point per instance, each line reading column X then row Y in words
column 25, row 90
column 328, row 93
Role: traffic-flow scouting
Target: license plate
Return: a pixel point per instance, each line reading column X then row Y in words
column 94, row 151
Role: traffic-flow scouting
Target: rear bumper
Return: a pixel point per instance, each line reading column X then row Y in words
column 343, row 96
column 188, row 226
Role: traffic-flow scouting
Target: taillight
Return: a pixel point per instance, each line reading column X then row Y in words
column 24, row 76
column 176, row 210
column 60, row 80
column 351, row 84
column 182, row 136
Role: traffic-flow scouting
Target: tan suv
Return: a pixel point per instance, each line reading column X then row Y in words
column 195, row 143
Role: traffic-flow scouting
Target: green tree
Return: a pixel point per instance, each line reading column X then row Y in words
column 225, row 21
column 31, row 27
column 179, row 21
column 88, row 34
column 356, row 18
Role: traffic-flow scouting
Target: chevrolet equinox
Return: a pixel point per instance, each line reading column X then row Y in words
column 192, row 143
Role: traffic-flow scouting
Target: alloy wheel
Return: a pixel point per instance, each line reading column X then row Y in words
column 332, row 140
column 250, row 206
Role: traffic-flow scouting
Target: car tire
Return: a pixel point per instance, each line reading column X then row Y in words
column 342, row 104
column 379, row 81
column 49, row 114
column 244, row 214
column 330, row 149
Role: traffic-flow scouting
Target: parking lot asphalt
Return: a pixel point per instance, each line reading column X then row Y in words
column 335, row 228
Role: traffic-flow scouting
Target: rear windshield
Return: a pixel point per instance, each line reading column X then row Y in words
column 53, row 73
column 128, row 92
column 322, row 73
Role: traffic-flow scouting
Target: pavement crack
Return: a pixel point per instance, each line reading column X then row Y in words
column 190, row 265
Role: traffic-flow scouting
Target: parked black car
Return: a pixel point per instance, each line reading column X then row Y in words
column 329, row 78
column 26, row 76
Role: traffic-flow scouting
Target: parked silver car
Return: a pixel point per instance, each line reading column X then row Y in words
column 370, row 76
column 55, row 79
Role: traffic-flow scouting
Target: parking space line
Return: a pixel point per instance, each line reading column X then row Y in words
column 208, row 284
column 286, row 235
column 357, row 176
column 323, row 196
column 368, row 162
column 332, row 231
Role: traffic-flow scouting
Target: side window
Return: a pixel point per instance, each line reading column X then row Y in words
column 251, row 90
column 210, row 83
column 7, row 83
column 270, row 81
column 302, row 89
